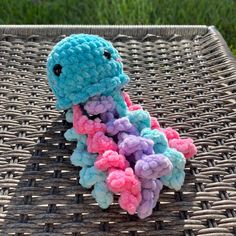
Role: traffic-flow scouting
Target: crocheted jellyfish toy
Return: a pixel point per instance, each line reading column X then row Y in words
column 120, row 148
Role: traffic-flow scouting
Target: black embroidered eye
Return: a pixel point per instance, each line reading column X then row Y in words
column 107, row 54
column 57, row 69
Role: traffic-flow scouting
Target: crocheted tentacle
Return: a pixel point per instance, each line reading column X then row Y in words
column 99, row 104
column 90, row 176
column 159, row 139
column 170, row 133
column 127, row 99
column 176, row 179
column 116, row 164
column 99, row 143
column 96, row 142
column 140, row 119
column 84, row 159
column 153, row 166
column 128, row 186
column 107, row 116
column 83, row 125
column 183, row 145
column 69, row 115
column 129, row 104
column 121, row 106
column 111, row 159
column 120, row 179
column 149, row 167
column 119, row 125
column 129, row 144
column 150, row 194
column 80, row 157
column 102, row 194
column 71, row 135
column 154, row 123
column 129, row 202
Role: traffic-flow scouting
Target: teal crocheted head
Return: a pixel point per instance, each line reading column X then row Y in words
column 81, row 66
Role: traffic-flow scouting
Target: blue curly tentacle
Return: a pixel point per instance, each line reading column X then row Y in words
column 89, row 175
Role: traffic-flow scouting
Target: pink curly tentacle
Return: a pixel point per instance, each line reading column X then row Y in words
column 185, row 146
column 99, row 143
column 131, row 107
column 135, row 107
column 154, row 123
column 120, row 179
column 83, row 125
column 128, row 185
column 171, row 133
column 111, row 159
column 127, row 99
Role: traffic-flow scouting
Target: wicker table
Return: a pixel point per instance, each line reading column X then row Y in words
column 184, row 75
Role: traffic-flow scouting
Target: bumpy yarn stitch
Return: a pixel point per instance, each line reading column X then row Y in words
column 120, row 148
column 85, row 72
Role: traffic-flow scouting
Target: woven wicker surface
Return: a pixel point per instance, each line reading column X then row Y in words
column 185, row 76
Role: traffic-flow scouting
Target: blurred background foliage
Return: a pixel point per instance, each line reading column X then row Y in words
column 221, row 13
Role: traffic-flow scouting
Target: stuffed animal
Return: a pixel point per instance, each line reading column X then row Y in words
column 121, row 149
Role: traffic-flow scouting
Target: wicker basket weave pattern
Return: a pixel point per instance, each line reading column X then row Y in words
column 183, row 75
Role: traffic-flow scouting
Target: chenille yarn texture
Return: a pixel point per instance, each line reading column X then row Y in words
column 121, row 149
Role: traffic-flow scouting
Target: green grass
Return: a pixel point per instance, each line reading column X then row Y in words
column 221, row 13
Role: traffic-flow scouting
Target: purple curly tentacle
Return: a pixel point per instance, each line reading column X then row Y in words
column 99, row 104
column 150, row 194
column 153, row 166
column 129, row 144
column 120, row 125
